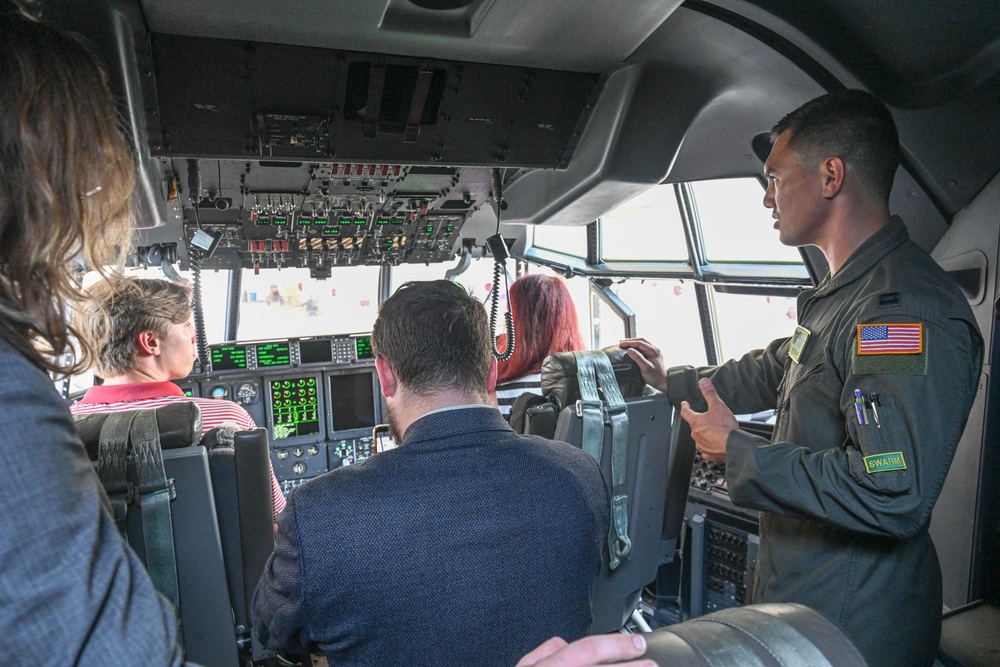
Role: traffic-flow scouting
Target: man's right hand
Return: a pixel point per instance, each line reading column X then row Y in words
column 649, row 359
column 589, row 652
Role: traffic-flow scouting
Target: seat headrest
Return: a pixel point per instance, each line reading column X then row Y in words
column 559, row 379
column 222, row 435
column 179, row 425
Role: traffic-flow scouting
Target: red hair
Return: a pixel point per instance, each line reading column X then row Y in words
column 544, row 323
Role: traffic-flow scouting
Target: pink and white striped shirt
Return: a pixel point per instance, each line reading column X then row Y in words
column 145, row 395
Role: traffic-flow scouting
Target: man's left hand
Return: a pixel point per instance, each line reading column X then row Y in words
column 710, row 429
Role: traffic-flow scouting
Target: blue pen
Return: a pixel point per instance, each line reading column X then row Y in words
column 858, row 401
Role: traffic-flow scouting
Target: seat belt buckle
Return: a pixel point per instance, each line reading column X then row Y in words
column 582, row 405
column 614, row 410
column 136, row 493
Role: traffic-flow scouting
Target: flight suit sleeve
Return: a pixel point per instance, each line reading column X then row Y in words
column 885, row 477
column 748, row 384
column 279, row 618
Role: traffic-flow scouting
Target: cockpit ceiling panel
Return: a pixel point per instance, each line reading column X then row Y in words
column 557, row 34
column 233, row 99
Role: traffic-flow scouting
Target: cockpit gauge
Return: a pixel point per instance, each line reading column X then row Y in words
column 247, row 393
column 345, row 451
column 219, row 391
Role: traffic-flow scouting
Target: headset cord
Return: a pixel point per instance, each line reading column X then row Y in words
column 498, row 269
column 195, row 257
column 498, row 249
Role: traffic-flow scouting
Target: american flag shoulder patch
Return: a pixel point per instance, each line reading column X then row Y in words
column 890, row 338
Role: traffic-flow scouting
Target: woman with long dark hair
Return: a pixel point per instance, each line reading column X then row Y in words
column 73, row 593
column 545, row 322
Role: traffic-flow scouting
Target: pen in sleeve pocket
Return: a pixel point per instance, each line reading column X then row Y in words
column 858, row 402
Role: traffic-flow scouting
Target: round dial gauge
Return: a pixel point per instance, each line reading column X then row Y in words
column 247, row 393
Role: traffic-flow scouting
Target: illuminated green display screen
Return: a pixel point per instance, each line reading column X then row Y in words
column 360, row 221
column 331, row 231
column 294, row 407
column 263, row 221
column 305, row 222
column 319, row 222
column 281, row 221
column 364, row 347
column 383, row 221
column 229, row 357
column 273, row 354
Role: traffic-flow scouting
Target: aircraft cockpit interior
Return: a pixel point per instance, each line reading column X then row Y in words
column 296, row 163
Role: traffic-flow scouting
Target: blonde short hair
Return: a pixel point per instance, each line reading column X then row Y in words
column 117, row 311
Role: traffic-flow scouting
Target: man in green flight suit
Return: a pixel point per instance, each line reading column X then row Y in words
column 872, row 391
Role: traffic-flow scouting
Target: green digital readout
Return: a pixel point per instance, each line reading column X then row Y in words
column 229, row 357
column 397, row 221
column 360, row 221
column 304, row 222
column 263, row 221
column 331, row 231
column 273, row 354
column 280, row 221
column 383, row 221
column 449, row 229
column 364, row 347
column 429, row 230
column 294, row 407
column 319, row 222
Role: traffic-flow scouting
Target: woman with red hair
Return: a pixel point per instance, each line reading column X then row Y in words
column 544, row 323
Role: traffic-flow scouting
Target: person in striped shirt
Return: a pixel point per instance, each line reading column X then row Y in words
column 150, row 342
column 545, row 323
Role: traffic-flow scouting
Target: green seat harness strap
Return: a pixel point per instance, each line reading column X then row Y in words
column 136, row 434
column 154, row 503
column 112, row 464
column 593, row 370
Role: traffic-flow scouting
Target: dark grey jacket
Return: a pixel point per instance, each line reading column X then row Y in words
column 466, row 545
column 848, row 540
column 71, row 591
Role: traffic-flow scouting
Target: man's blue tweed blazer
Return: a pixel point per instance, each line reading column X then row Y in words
column 467, row 545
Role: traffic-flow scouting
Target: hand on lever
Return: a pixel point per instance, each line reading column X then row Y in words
column 649, row 359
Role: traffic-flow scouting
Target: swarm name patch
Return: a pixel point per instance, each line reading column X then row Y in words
column 885, row 462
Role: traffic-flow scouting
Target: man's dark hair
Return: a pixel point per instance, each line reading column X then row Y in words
column 436, row 336
column 852, row 125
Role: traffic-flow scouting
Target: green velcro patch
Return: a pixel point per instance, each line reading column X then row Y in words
column 884, row 462
column 874, row 364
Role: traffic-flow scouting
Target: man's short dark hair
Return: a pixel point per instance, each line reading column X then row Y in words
column 436, row 336
column 852, row 125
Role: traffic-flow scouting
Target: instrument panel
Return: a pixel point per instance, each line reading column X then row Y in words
column 288, row 353
column 318, row 397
